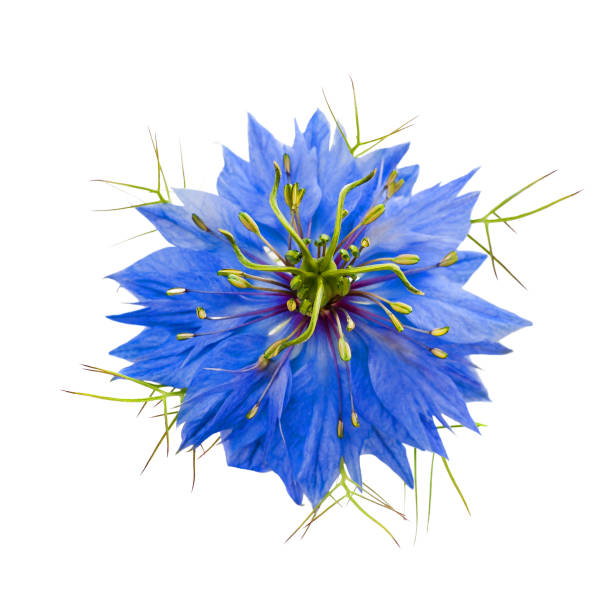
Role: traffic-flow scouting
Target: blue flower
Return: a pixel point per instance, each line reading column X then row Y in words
column 314, row 309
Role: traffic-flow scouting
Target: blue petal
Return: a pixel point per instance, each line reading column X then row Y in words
column 258, row 444
column 175, row 224
column 409, row 175
column 153, row 275
column 253, row 456
column 392, row 452
column 317, row 132
column 264, row 150
column 310, row 420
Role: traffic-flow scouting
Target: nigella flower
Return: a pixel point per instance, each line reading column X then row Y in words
column 313, row 310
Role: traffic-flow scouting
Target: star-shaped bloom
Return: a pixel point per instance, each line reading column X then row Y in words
column 313, row 309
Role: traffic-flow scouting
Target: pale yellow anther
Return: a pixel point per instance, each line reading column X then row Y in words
column 176, row 291
column 228, row 271
column 449, row 259
column 238, row 282
column 439, row 331
column 354, row 419
column 184, row 336
column 199, row 223
column 406, row 259
column 340, row 430
column 201, row 312
column 262, row 362
column 252, row 412
column 439, row 353
column 291, row 305
column 344, row 349
column 373, row 214
column 396, row 322
column 401, row 307
column 248, row 222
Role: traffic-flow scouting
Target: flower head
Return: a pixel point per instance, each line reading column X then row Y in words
column 314, row 309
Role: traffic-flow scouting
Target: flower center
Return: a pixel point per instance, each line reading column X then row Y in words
column 305, row 286
column 315, row 284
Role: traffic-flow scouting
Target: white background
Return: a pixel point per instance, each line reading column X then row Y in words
column 518, row 88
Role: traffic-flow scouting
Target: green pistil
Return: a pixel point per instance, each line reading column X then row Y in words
column 253, row 266
column 389, row 267
column 316, row 308
column 339, row 216
column 283, row 220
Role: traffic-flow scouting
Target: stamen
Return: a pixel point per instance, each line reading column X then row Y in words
column 373, row 214
column 449, row 259
column 291, row 305
column 239, row 282
column 231, row 272
column 250, row 224
column 239, row 315
column 253, row 411
column 253, row 266
column 272, row 313
column 201, row 312
column 350, row 324
column 439, row 353
column 242, row 283
column 439, row 331
column 201, row 292
column 228, row 271
column 293, row 195
column 378, row 301
column 199, row 223
column 287, row 163
column 176, row 291
column 354, row 418
column 405, row 259
column 340, row 426
column 339, row 216
column 400, row 307
column 344, row 348
column 392, row 186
